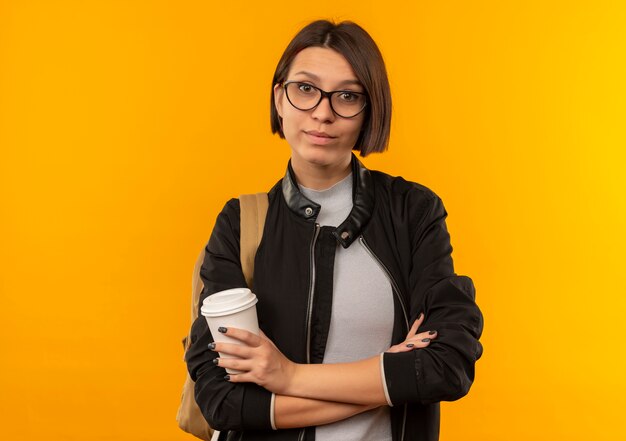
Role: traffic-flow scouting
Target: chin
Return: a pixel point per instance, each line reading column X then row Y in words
column 320, row 156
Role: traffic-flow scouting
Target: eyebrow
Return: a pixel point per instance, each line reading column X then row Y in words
column 316, row 78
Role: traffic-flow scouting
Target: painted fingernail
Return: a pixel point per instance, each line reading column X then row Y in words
column 212, row 346
column 432, row 332
column 409, row 345
column 222, row 329
column 227, row 377
column 426, row 340
column 216, row 360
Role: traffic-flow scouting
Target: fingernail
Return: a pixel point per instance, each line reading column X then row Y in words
column 432, row 332
column 409, row 345
column 426, row 340
column 212, row 346
column 419, row 317
column 216, row 360
column 222, row 329
column 227, row 377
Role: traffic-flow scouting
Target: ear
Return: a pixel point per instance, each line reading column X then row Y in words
column 278, row 98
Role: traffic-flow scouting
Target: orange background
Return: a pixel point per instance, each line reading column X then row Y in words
column 125, row 126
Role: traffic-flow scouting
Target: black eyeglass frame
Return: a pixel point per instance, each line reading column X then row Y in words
column 324, row 94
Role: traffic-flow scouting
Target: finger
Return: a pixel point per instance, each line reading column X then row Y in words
column 405, row 346
column 239, row 378
column 426, row 334
column 402, row 347
column 247, row 337
column 234, row 363
column 417, row 323
column 418, row 343
column 235, row 349
column 413, row 329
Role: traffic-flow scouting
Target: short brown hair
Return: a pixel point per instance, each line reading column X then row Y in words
column 362, row 53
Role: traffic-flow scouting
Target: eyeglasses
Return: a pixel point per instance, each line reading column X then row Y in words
column 305, row 96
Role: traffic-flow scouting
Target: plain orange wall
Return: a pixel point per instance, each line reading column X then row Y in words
column 125, row 126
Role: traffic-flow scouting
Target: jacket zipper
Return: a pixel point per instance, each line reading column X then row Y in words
column 394, row 285
column 310, row 307
column 311, row 294
column 396, row 291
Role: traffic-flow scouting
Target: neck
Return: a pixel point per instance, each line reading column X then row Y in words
column 320, row 177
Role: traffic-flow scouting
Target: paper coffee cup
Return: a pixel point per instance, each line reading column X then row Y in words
column 232, row 308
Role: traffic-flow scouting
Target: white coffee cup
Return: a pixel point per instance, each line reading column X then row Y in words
column 232, row 308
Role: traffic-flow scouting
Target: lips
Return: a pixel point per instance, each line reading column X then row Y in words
column 319, row 134
column 319, row 138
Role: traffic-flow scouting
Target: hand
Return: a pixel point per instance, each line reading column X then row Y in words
column 413, row 340
column 259, row 359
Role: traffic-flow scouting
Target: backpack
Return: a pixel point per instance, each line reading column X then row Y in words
column 253, row 208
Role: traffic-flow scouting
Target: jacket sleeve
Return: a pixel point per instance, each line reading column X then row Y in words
column 225, row 405
column 443, row 371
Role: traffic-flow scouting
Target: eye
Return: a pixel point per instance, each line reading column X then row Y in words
column 305, row 88
column 348, row 97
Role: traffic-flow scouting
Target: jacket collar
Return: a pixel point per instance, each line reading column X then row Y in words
column 362, row 202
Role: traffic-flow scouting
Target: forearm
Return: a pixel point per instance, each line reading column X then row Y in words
column 294, row 412
column 358, row 382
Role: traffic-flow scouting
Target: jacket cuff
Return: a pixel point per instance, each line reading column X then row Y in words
column 384, row 381
column 272, row 420
column 401, row 370
column 255, row 412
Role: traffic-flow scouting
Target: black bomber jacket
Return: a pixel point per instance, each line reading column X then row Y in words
column 402, row 225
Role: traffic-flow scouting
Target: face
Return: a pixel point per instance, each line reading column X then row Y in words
column 328, row 70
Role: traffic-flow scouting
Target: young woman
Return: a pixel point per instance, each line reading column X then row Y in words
column 365, row 325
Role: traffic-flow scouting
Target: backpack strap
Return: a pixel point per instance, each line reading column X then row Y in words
column 253, row 208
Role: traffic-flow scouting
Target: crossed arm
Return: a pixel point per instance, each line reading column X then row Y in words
column 310, row 394
column 307, row 395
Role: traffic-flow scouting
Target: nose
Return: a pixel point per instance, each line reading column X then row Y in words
column 323, row 111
